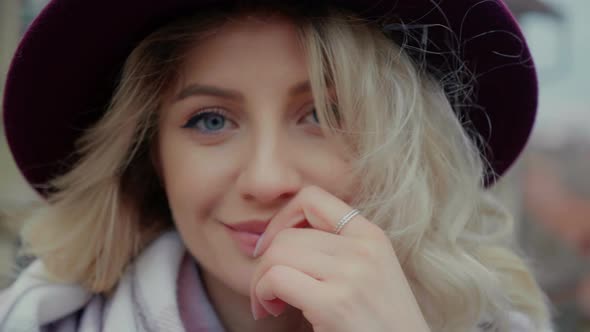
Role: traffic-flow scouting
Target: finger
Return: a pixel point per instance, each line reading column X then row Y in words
column 317, row 263
column 291, row 286
column 287, row 251
column 322, row 211
column 313, row 240
column 313, row 259
column 275, row 307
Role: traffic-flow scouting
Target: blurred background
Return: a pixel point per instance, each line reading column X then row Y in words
column 548, row 190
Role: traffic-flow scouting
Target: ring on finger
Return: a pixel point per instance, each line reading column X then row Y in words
column 344, row 220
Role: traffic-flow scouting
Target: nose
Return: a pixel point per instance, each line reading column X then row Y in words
column 269, row 174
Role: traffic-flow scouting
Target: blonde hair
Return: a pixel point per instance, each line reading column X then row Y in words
column 420, row 172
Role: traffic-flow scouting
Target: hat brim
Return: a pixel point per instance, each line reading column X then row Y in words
column 64, row 71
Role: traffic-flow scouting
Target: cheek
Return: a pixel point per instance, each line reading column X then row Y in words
column 328, row 166
column 340, row 180
column 194, row 179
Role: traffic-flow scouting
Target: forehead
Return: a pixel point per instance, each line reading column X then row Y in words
column 244, row 43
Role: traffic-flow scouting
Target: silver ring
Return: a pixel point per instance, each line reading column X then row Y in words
column 348, row 217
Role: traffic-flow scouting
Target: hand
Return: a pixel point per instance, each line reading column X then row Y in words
column 347, row 282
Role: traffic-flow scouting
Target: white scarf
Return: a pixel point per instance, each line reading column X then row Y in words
column 145, row 299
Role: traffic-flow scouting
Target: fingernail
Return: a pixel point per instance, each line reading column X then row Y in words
column 254, row 309
column 258, row 244
column 275, row 307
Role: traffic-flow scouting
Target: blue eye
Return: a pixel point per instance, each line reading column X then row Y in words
column 207, row 122
column 312, row 116
column 315, row 116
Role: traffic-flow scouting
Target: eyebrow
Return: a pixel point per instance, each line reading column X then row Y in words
column 213, row 91
column 300, row 88
column 208, row 90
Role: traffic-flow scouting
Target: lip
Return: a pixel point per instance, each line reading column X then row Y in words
column 246, row 234
column 250, row 226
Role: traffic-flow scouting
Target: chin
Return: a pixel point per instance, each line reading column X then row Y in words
column 237, row 274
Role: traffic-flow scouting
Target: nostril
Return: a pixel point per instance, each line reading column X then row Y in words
column 288, row 194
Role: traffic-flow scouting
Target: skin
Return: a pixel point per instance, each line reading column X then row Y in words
column 266, row 158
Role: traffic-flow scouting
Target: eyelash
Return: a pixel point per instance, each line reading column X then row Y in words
column 192, row 122
column 333, row 108
column 313, row 113
column 199, row 116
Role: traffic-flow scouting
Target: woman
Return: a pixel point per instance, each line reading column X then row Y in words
column 224, row 152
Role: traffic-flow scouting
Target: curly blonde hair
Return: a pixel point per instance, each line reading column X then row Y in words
column 421, row 174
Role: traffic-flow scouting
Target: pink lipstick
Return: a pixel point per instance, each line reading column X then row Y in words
column 246, row 234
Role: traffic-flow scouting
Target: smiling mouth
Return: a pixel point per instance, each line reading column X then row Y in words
column 246, row 237
column 246, row 234
column 250, row 226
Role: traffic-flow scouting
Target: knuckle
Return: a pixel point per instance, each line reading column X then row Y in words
column 343, row 303
column 376, row 232
column 357, row 273
column 271, row 277
column 368, row 250
column 274, row 274
column 286, row 235
column 378, row 237
column 273, row 254
column 310, row 192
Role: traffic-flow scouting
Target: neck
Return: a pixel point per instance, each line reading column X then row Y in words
column 234, row 311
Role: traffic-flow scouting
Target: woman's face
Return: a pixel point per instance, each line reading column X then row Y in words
column 238, row 139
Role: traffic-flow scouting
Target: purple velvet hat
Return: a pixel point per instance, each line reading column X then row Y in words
column 63, row 73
